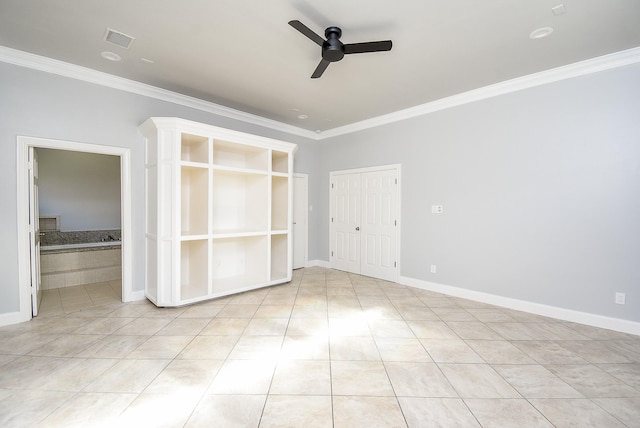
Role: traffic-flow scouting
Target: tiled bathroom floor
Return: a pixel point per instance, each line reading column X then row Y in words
column 329, row 349
column 59, row 301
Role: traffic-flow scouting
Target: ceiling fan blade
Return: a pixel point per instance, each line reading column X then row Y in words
column 354, row 48
column 306, row 31
column 320, row 69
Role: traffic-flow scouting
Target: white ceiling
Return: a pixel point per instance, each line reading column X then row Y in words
column 242, row 54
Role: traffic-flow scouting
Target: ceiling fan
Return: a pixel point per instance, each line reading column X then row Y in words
column 333, row 49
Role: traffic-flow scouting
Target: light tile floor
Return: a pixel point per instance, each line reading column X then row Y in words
column 329, row 349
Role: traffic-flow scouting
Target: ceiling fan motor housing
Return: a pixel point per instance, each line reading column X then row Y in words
column 332, row 48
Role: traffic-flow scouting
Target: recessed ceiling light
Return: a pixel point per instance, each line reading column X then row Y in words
column 111, row 56
column 541, row 32
column 303, row 116
column 295, row 109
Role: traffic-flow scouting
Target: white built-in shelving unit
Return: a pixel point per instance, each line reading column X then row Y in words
column 218, row 211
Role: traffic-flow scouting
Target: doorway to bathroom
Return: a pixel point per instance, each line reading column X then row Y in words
column 80, row 229
column 117, row 243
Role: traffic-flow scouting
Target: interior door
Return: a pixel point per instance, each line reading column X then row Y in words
column 364, row 222
column 34, row 231
column 379, row 224
column 345, row 222
column 300, row 220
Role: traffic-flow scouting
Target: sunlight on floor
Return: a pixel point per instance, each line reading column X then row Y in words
column 328, row 349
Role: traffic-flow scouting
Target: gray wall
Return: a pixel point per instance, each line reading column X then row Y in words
column 540, row 187
column 43, row 105
column 541, row 192
column 82, row 188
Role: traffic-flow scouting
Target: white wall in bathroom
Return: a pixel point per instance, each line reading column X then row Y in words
column 82, row 188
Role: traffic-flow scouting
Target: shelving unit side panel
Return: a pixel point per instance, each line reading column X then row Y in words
column 151, row 149
column 167, row 200
column 151, row 200
column 168, row 148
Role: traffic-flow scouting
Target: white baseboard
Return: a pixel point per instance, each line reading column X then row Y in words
column 594, row 320
column 13, row 318
column 318, row 263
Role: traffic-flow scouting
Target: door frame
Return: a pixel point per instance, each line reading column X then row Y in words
column 305, row 177
column 34, row 232
column 398, row 168
column 24, row 268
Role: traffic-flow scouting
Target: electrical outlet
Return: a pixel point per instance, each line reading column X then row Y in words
column 433, row 268
column 620, row 298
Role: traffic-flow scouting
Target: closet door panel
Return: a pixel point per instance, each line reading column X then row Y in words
column 364, row 222
column 346, row 222
column 379, row 191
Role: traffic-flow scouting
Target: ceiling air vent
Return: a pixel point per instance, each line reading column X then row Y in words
column 118, row 38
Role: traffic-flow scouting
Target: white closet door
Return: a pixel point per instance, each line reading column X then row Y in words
column 345, row 226
column 364, row 222
column 378, row 224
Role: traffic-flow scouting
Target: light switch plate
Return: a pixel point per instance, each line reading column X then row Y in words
column 559, row 10
column 436, row 209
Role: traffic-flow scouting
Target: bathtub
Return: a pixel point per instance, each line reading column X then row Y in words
column 81, row 246
column 67, row 265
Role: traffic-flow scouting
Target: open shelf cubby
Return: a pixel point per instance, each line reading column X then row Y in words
column 279, row 203
column 240, row 156
column 194, row 207
column 240, row 202
column 239, row 262
column 194, row 268
column 279, row 256
column 194, row 148
column 279, row 162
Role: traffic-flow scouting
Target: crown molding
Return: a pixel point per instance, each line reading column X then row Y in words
column 593, row 65
column 61, row 68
